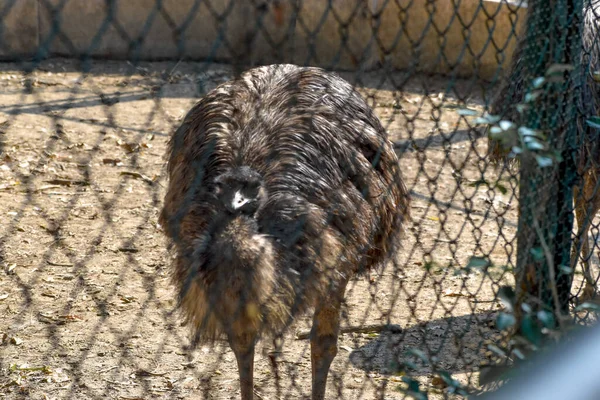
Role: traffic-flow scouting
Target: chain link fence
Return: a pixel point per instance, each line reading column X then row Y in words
column 91, row 91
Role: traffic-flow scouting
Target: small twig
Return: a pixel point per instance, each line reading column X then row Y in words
column 175, row 67
column 128, row 249
column 66, row 182
column 138, row 175
column 102, row 371
column 143, row 372
column 375, row 328
column 49, row 187
column 120, row 383
column 551, row 271
column 259, row 396
column 59, row 264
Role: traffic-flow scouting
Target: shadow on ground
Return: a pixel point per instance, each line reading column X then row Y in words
column 453, row 344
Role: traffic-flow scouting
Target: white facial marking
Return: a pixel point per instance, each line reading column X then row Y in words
column 238, row 200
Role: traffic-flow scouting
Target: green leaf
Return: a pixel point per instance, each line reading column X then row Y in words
column 533, row 144
column 506, row 125
column 559, row 69
column 517, row 150
column 418, row 353
column 594, row 122
column 529, row 97
column 587, row 306
column 543, row 161
column 547, row 318
column 481, row 121
column 495, row 130
column 478, row 263
column 413, row 385
column 525, row 131
column 467, row 112
column 531, row 331
column 478, row 182
column 521, row 108
column 537, row 253
column 505, row 321
column 518, row 353
column 565, row 269
column 539, row 82
column 501, row 188
column 496, row 349
column 487, row 119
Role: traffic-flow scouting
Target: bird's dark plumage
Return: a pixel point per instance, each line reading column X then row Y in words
column 513, row 90
column 282, row 185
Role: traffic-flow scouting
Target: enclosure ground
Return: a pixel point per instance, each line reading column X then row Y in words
column 85, row 300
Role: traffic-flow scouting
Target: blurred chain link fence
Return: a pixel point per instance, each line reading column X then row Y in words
column 91, row 91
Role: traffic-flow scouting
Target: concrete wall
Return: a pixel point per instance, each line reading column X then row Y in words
column 19, row 33
column 471, row 37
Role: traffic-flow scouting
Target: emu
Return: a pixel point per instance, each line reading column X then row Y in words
column 586, row 192
column 282, row 186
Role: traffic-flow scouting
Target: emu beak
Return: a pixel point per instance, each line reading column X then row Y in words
column 238, row 201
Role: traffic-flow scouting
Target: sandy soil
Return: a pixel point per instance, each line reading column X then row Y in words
column 85, row 301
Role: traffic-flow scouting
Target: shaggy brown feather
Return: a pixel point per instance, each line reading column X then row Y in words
column 586, row 192
column 335, row 199
column 512, row 88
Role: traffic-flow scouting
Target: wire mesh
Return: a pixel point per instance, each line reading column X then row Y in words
column 91, row 93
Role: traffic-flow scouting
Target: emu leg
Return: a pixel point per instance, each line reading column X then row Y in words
column 243, row 348
column 590, row 198
column 323, row 339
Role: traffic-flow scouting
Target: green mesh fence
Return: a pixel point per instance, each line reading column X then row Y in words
column 91, row 91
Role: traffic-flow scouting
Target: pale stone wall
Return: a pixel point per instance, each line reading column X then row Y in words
column 473, row 38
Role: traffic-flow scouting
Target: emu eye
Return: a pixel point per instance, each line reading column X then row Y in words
column 251, row 190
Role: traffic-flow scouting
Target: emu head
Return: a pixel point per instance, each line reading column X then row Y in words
column 240, row 190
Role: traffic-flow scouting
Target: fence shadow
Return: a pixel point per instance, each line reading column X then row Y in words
column 201, row 76
column 455, row 344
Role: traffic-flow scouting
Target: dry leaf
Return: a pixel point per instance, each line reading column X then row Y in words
column 112, row 161
column 46, row 318
column 70, row 318
column 66, row 182
column 138, row 175
column 438, row 382
column 127, row 299
column 128, row 147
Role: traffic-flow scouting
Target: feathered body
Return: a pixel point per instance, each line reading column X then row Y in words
column 327, row 203
column 512, row 91
column 512, row 88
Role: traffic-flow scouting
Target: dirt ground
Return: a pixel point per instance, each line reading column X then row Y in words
column 85, row 301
